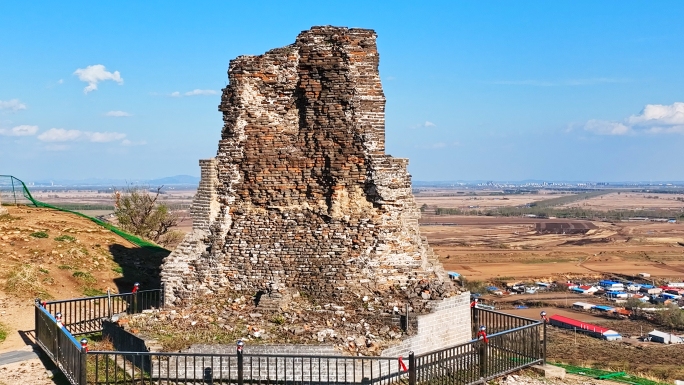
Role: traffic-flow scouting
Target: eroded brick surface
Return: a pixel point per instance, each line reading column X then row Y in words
column 301, row 196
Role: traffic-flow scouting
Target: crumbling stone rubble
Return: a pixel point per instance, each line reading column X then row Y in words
column 351, row 330
column 301, row 197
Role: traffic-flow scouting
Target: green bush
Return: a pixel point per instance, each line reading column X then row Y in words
column 65, row 238
column 479, row 287
column 40, row 234
column 92, row 292
column 84, row 276
column 3, row 332
column 65, row 267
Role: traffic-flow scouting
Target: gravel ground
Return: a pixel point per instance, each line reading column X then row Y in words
column 530, row 378
column 28, row 372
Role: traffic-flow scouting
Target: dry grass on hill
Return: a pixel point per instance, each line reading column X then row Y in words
column 50, row 254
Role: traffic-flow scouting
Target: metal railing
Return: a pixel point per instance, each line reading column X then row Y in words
column 481, row 360
column 515, row 343
column 185, row 368
column 496, row 322
column 60, row 346
column 85, row 315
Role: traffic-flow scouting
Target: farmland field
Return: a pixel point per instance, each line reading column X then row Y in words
column 489, row 247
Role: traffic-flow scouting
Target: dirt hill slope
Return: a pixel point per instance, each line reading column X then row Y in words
column 50, row 254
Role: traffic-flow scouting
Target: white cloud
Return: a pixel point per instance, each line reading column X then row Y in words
column 200, row 92
column 653, row 119
column 117, row 114
column 13, row 105
column 194, row 92
column 62, row 135
column 104, row 137
column 604, row 127
column 59, row 135
column 127, row 142
column 659, row 115
column 95, row 74
column 427, row 124
column 23, row 130
column 666, row 130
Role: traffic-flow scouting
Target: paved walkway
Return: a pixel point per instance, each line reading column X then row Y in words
column 17, row 356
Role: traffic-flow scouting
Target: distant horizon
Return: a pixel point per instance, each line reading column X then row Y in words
column 416, row 183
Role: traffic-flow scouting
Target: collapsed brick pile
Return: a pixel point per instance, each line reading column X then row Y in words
column 301, row 197
column 355, row 329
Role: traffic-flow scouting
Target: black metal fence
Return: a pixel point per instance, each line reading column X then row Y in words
column 60, row 346
column 511, row 343
column 186, row 368
column 85, row 315
column 496, row 322
column 482, row 359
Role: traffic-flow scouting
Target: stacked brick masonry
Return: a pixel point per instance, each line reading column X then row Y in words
column 448, row 325
column 306, row 197
column 205, row 207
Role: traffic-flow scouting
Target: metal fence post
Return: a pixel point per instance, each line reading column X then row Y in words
column 14, row 193
column 240, row 361
column 35, row 318
column 475, row 320
column 544, row 345
column 83, row 371
column 483, row 359
column 109, row 303
column 412, row 368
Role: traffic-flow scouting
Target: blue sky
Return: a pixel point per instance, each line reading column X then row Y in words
column 475, row 90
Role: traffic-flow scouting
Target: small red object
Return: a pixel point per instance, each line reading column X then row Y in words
column 135, row 288
column 402, row 365
column 482, row 334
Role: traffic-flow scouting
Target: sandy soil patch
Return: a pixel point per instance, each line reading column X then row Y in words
column 484, row 248
column 28, row 372
column 632, row 201
column 455, row 199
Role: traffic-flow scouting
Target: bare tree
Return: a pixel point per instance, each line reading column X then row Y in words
column 139, row 212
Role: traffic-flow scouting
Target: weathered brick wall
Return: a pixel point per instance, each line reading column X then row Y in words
column 301, row 195
column 448, row 324
column 205, row 206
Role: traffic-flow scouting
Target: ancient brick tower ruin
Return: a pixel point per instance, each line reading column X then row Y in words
column 301, row 196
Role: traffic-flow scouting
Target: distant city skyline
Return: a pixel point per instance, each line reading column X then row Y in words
column 498, row 91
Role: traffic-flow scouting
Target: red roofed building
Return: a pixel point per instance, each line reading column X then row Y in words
column 592, row 330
